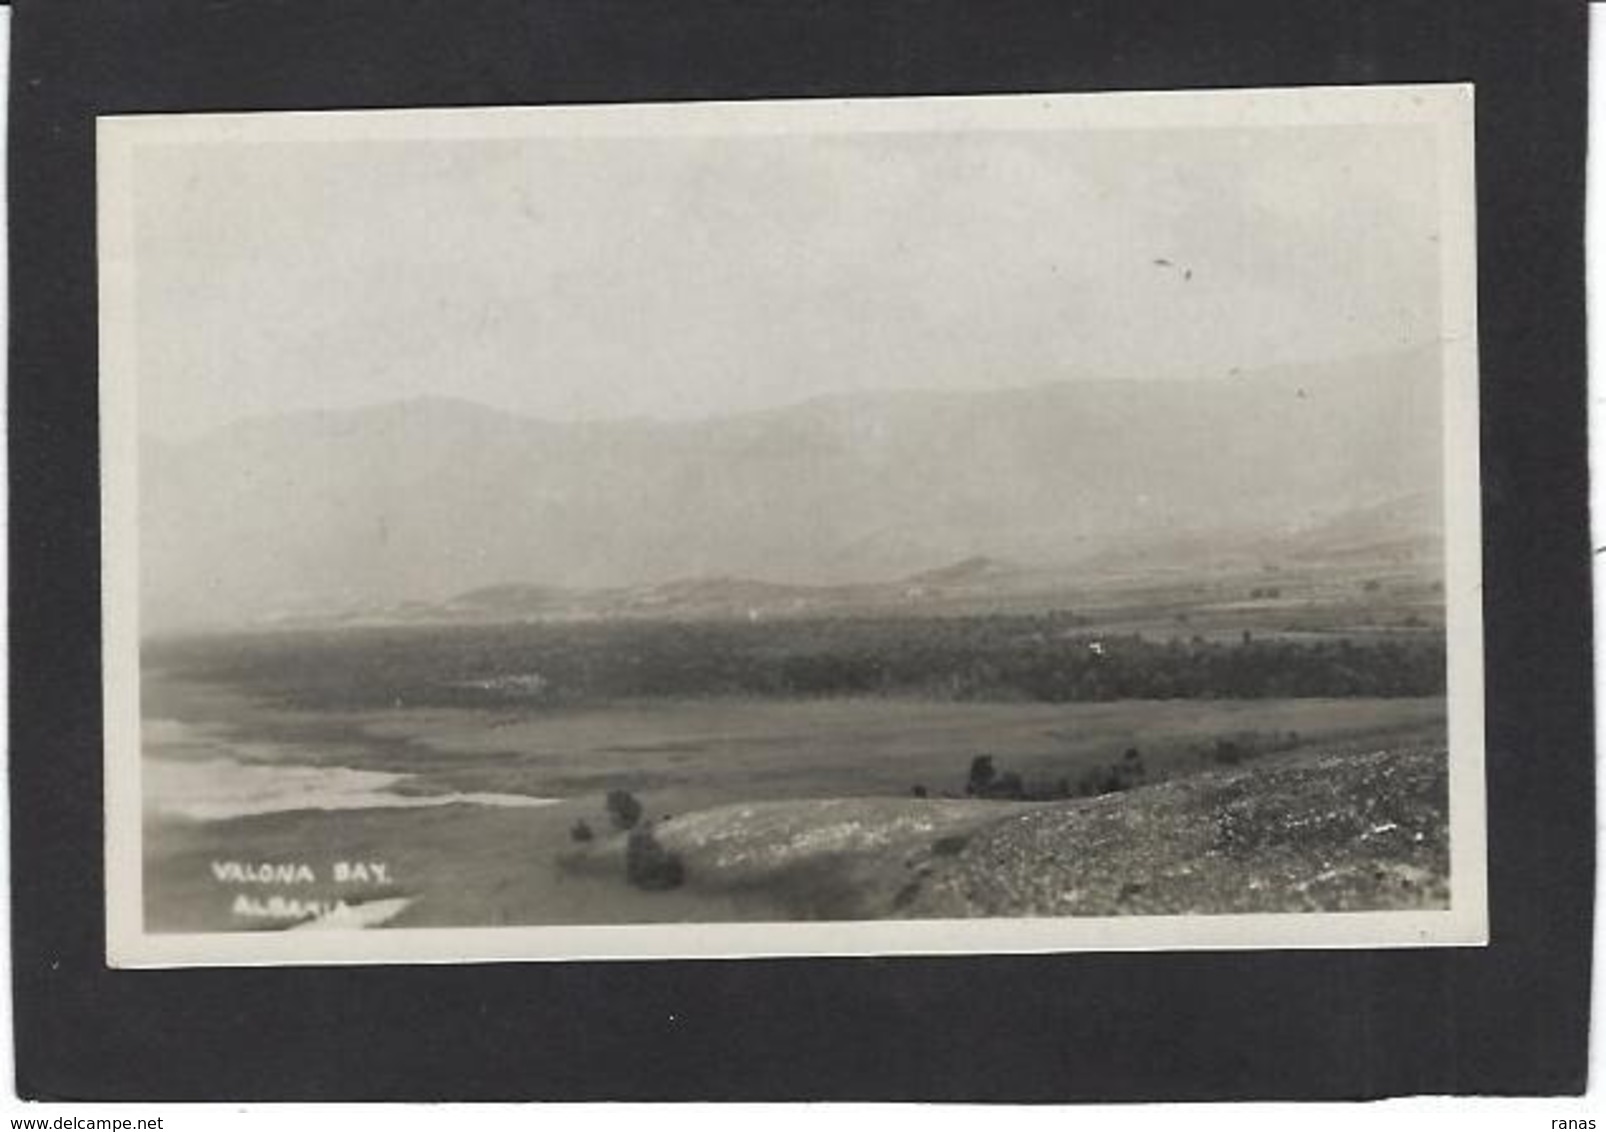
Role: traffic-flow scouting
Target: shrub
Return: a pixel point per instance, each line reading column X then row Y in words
column 624, row 809
column 580, row 831
column 648, row 865
column 1100, row 780
column 1009, row 785
column 982, row 774
column 1114, row 777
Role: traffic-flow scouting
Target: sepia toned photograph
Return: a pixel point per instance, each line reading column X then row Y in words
column 874, row 526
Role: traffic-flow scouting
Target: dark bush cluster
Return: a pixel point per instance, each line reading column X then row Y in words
column 1123, row 774
column 1230, row 750
column 623, row 809
column 985, row 780
column 650, row 866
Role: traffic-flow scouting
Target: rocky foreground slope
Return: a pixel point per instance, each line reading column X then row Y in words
column 1314, row 832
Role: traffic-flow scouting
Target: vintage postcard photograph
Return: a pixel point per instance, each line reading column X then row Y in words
column 801, row 527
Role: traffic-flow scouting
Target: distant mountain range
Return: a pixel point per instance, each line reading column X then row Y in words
column 441, row 502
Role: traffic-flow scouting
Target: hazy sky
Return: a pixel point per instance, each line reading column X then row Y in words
column 599, row 277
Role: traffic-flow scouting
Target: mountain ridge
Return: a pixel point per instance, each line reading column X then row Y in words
column 424, row 500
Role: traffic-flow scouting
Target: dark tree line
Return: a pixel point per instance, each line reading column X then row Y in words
column 1017, row 657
